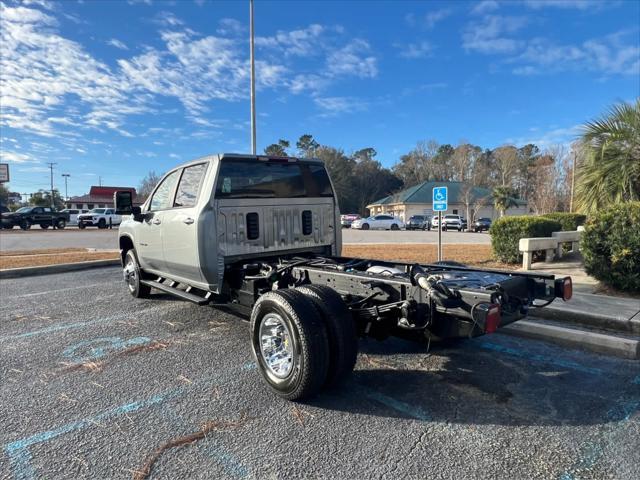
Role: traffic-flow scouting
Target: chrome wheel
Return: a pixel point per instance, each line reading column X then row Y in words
column 130, row 274
column 276, row 345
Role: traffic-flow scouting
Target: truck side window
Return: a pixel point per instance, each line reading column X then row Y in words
column 189, row 185
column 162, row 197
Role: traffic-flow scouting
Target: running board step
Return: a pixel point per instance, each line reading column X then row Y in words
column 176, row 292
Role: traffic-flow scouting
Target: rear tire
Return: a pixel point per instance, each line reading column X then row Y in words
column 341, row 331
column 289, row 342
column 44, row 226
column 132, row 276
column 395, row 226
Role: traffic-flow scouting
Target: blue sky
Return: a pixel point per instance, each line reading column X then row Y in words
column 117, row 88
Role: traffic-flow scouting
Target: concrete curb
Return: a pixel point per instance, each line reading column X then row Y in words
column 590, row 319
column 60, row 268
column 608, row 344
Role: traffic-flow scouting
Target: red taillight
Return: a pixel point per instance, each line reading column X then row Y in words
column 493, row 319
column 567, row 289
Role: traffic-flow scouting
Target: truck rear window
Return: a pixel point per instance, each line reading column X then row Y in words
column 257, row 179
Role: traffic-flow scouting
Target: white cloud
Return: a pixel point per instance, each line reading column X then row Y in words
column 415, row 50
column 574, row 4
column 489, row 35
column 301, row 42
column 554, row 136
column 230, row 26
column 15, row 157
column 484, row 7
column 432, row 18
column 611, row 55
column 46, row 4
column 114, row 42
column 353, row 60
column 333, row 106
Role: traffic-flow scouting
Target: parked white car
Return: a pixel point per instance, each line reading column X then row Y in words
column 381, row 222
column 73, row 215
column 99, row 217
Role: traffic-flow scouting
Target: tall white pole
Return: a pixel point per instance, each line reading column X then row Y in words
column 253, row 81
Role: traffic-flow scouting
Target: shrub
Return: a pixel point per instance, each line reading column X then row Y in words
column 611, row 246
column 568, row 221
column 506, row 233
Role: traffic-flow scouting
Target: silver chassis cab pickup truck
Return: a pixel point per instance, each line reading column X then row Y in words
column 262, row 236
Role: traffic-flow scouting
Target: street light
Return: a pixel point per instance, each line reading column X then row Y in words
column 66, row 193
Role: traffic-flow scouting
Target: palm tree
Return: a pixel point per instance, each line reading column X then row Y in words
column 503, row 199
column 610, row 168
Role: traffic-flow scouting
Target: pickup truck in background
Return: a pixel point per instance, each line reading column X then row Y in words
column 99, row 217
column 26, row 216
column 261, row 235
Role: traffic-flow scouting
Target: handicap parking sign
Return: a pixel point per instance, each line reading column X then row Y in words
column 439, row 199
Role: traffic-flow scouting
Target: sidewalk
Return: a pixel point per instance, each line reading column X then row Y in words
column 604, row 312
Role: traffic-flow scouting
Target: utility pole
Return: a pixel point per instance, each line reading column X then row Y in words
column 573, row 181
column 51, row 164
column 253, row 80
column 99, row 180
column 66, row 192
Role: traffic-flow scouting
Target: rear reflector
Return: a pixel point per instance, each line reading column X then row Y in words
column 493, row 319
column 564, row 288
column 567, row 289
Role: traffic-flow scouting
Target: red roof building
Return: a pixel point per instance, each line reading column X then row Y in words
column 100, row 197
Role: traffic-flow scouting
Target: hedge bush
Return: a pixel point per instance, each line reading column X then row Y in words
column 610, row 246
column 568, row 221
column 506, row 233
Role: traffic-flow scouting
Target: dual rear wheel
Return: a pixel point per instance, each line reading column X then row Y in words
column 303, row 340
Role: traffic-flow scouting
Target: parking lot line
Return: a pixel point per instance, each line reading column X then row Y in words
column 536, row 357
column 69, row 326
column 80, row 287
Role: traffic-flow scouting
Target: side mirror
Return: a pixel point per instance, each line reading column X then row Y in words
column 123, row 202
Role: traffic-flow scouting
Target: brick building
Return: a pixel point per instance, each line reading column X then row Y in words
column 100, row 197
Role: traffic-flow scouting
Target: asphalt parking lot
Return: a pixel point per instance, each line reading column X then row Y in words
column 95, row 384
column 107, row 239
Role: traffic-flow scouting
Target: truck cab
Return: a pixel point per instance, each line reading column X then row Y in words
column 221, row 209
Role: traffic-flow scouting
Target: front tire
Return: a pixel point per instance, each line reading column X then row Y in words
column 81, row 226
column 341, row 331
column 102, row 223
column 25, row 225
column 289, row 342
column 395, row 227
column 61, row 224
column 133, row 274
column 44, row 226
column 365, row 226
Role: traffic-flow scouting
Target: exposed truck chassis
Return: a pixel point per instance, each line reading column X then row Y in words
column 350, row 297
column 421, row 302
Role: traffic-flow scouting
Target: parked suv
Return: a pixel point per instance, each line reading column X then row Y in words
column 451, row 222
column 99, row 217
column 419, row 222
column 481, row 224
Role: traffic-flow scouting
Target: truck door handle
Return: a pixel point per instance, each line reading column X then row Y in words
column 188, row 221
column 156, row 221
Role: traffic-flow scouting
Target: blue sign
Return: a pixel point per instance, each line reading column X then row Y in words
column 439, row 199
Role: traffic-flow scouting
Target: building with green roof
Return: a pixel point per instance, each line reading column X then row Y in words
column 475, row 202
